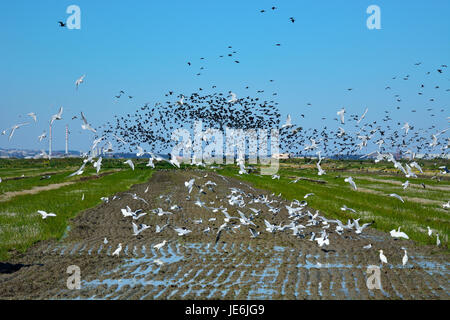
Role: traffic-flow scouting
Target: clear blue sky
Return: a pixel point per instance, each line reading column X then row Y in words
column 143, row 47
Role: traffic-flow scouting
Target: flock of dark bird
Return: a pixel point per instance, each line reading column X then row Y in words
column 153, row 125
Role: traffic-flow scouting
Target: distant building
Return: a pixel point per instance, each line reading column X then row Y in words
column 281, row 156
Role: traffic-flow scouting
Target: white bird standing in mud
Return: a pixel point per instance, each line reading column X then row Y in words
column 117, row 251
column 405, row 257
column 383, row 258
column 430, row 232
column 160, row 245
column 45, row 215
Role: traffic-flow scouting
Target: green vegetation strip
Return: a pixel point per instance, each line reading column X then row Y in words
column 21, row 226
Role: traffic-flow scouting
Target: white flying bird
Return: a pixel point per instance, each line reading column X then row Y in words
column 181, row 102
column 189, row 184
column 288, row 122
column 352, row 183
column 32, row 115
column 233, row 98
column 396, row 196
column 182, row 231
column 140, row 152
column 42, row 136
column 15, row 127
column 79, row 171
column 341, row 115
column 362, row 117
column 79, row 81
column 406, row 127
column 416, row 165
column 130, row 163
column 174, row 161
column 86, row 125
column 345, row 208
column 57, row 116
column 321, row 171
column 137, row 231
column 98, row 164
column 150, row 163
column 45, row 214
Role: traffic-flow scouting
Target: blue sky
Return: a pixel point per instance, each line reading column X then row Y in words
column 143, row 47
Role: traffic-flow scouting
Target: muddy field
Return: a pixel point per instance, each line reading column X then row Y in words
column 271, row 266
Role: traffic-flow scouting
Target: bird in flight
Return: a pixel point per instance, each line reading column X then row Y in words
column 79, row 81
column 45, row 214
column 86, row 125
column 61, row 24
column 57, row 116
column 13, row 129
column 32, row 115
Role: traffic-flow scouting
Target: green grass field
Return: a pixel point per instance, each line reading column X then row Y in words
column 21, row 225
